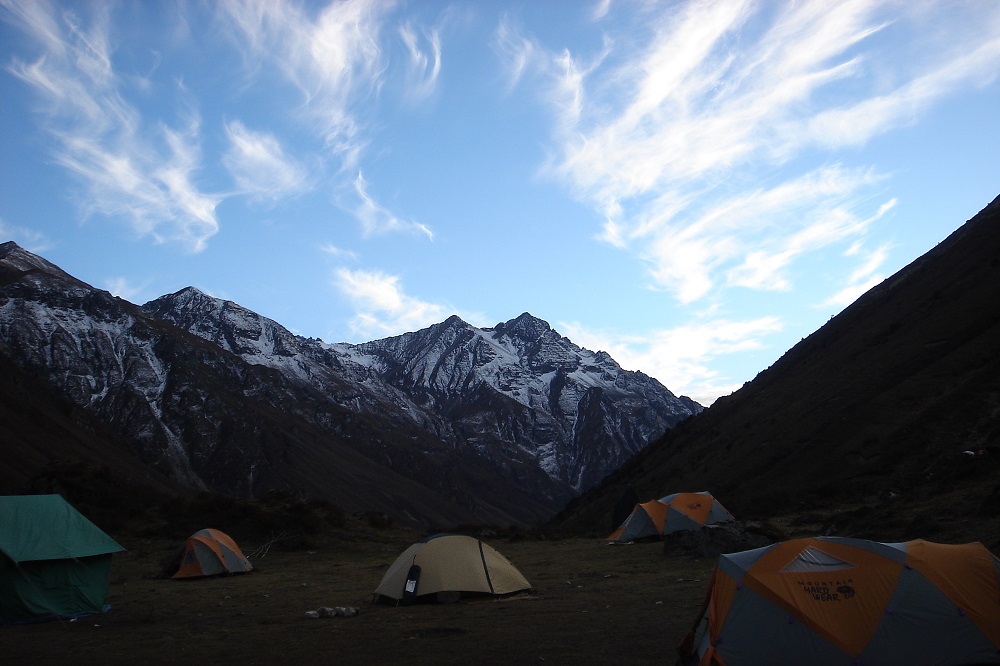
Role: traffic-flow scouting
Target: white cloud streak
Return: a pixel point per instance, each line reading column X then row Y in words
column 30, row 239
column 680, row 357
column 600, row 10
column 423, row 68
column 696, row 136
column 383, row 308
column 714, row 138
column 148, row 178
column 375, row 219
column 260, row 166
column 123, row 288
column 337, row 252
column 862, row 278
column 333, row 58
column 149, row 170
column 518, row 53
column 858, row 123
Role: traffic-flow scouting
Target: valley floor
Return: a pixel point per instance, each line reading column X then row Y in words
column 594, row 603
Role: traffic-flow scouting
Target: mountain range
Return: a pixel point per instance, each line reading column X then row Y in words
column 448, row 425
column 884, row 423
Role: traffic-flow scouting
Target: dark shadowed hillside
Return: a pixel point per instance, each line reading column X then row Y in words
column 867, row 424
column 41, row 428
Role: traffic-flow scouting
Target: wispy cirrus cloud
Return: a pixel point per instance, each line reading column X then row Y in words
column 376, row 219
column 146, row 163
column 260, row 166
column 337, row 252
column 818, row 197
column 681, row 357
column 146, row 175
column 750, row 238
column 331, row 54
column 124, row 288
column 423, row 66
column 600, row 10
column 956, row 66
column 519, row 53
column 703, row 134
column 715, row 139
column 30, row 239
column 861, row 279
column 383, row 308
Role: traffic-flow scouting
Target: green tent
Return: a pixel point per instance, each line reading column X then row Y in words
column 53, row 561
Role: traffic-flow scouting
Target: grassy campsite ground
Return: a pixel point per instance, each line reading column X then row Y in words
column 594, row 603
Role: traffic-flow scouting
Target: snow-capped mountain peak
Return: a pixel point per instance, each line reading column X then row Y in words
column 225, row 398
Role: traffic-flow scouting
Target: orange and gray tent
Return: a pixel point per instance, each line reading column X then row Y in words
column 831, row 600
column 673, row 513
column 208, row 552
column 448, row 566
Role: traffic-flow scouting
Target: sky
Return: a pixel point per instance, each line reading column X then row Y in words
column 692, row 186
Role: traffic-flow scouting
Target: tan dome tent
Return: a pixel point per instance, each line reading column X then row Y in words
column 673, row 513
column 208, row 552
column 836, row 601
column 447, row 566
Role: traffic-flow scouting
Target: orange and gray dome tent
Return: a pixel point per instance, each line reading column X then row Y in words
column 673, row 513
column 841, row 601
column 208, row 552
column 448, row 566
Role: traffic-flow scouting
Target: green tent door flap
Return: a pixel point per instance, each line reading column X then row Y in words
column 53, row 561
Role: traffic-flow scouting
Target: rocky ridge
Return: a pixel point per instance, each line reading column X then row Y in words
column 499, row 424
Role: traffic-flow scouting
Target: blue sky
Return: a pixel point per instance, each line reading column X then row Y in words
column 692, row 187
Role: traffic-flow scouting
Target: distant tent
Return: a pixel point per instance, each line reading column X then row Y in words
column 832, row 600
column 446, row 567
column 54, row 562
column 646, row 520
column 208, row 552
column 673, row 513
column 692, row 511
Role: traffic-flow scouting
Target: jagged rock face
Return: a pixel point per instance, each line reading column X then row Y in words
column 520, row 385
column 498, row 425
column 88, row 344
